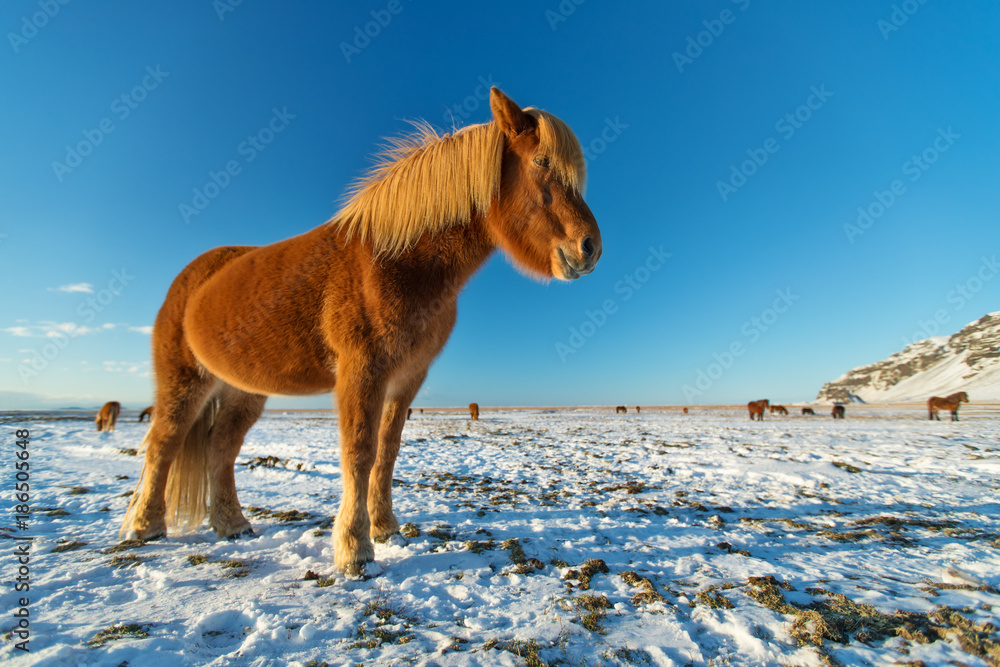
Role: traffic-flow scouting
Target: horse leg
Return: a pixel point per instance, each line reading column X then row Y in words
column 383, row 521
column 183, row 401
column 238, row 411
column 360, row 395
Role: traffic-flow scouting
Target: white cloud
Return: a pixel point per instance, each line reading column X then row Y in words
column 86, row 288
column 148, row 330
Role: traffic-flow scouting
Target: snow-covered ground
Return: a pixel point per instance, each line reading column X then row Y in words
column 682, row 520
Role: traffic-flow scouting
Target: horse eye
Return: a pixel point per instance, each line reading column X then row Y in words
column 542, row 162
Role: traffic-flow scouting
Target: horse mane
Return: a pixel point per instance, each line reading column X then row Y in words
column 425, row 182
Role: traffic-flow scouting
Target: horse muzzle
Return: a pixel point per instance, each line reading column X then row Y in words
column 579, row 261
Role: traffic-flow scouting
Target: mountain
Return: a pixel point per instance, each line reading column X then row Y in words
column 966, row 361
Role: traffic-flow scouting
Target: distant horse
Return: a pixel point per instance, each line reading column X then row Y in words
column 621, row 410
column 107, row 417
column 474, row 411
column 685, row 410
column 361, row 306
column 808, row 411
column 780, row 409
column 757, row 408
column 838, row 412
column 409, row 413
column 949, row 403
column 637, row 410
column 421, row 411
column 148, row 412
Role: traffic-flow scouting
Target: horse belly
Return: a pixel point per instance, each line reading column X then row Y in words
column 257, row 339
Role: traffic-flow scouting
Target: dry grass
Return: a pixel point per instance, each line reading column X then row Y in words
column 836, row 618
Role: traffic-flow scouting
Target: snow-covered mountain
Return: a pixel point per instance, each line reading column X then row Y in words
column 966, row 361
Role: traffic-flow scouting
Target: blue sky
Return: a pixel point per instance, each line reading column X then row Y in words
column 738, row 137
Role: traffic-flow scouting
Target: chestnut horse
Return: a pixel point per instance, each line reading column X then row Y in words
column 685, row 410
column 107, row 416
column 808, row 411
column 780, row 409
column 637, row 410
column 838, row 412
column 360, row 306
column 148, row 412
column 757, row 408
column 949, row 403
column 621, row 410
column 474, row 411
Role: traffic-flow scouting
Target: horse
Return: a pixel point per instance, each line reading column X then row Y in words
column 838, row 412
column 757, row 408
column 780, row 409
column 359, row 306
column 685, row 410
column 474, row 411
column 107, row 416
column 949, row 403
column 148, row 412
column 637, row 410
column 621, row 410
column 808, row 411
column 409, row 413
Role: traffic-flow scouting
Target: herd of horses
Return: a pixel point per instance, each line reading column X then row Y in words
column 359, row 306
column 935, row 404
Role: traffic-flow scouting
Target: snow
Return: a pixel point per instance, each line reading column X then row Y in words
column 656, row 494
column 943, row 379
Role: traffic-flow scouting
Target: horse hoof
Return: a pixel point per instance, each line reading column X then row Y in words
column 393, row 540
column 362, row 571
column 248, row 532
column 145, row 535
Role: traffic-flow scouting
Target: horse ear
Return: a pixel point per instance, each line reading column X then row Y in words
column 507, row 114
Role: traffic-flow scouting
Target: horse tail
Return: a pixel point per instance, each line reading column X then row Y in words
column 187, row 480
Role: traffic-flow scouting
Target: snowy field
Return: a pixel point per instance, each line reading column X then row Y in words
column 573, row 537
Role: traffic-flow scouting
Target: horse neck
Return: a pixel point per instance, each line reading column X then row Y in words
column 432, row 270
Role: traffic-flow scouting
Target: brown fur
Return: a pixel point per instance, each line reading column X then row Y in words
column 474, row 411
column 950, row 403
column 757, row 408
column 638, row 410
column 808, row 411
column 148, row 412
column 409, row 413
column 108, row 416
column 838, row 412
column 360, row 306
column 685, row 410
column 621, row 410
column 780, row 409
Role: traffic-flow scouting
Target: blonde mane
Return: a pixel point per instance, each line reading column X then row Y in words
column 425, row 182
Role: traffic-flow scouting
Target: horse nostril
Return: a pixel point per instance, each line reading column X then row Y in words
column 587, row 248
